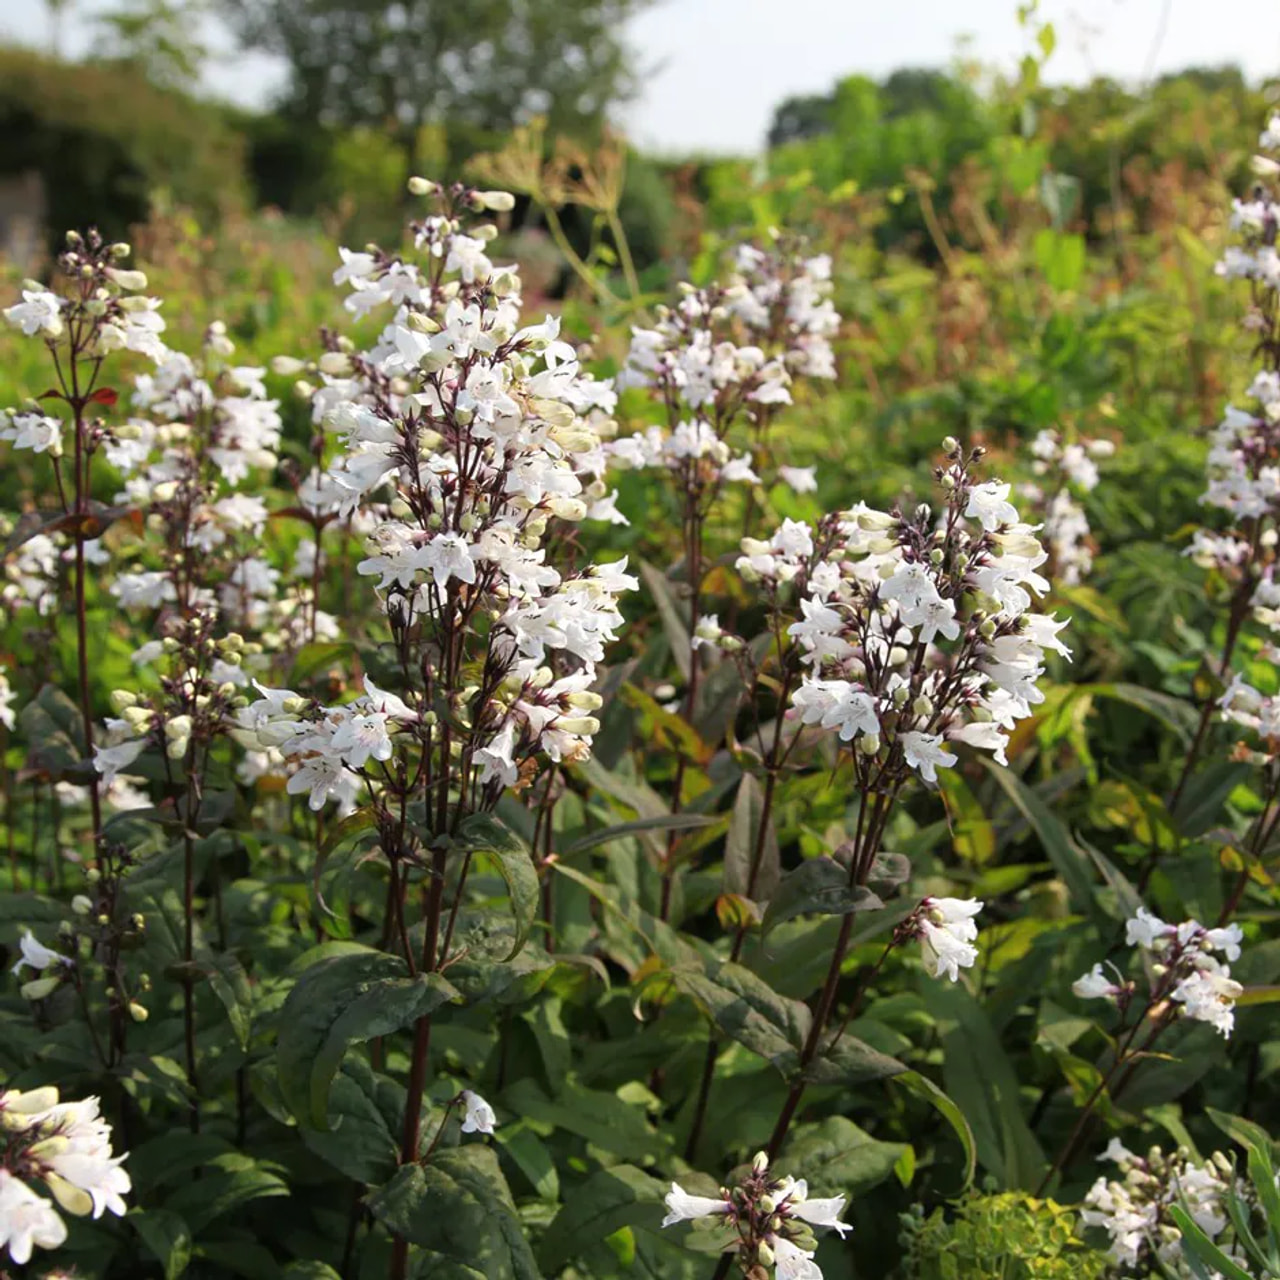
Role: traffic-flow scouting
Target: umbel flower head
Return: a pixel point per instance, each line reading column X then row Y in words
column 66, row 1146
column 772, row 1217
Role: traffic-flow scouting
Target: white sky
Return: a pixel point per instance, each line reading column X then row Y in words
column 715, row 69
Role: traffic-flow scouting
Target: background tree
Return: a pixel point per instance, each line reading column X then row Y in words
column 402, row 64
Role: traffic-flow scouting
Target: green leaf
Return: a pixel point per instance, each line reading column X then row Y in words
column 341, row 1000
column 230, row 984
column 530, row 1155
column 818, row 886
column 622, row 1196
column 484, row 834
column 167, row 1236
column 662, row 822
column 924, row 1088
column 1196, row 1245
column 835, row 1156
column 673, row 624
column 667, row 730
column 1200, row 806
column 745, row 839
column 981, row 1080
column 602, row 1119
column 459, row 1205
column 227, row 1183
column 849, row 1062
column 1067, row 859
column 1173, row 713
column 359, row 1141
column 51, row 723
column 746, row 1008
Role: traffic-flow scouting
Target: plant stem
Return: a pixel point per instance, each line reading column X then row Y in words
column 421, row 1052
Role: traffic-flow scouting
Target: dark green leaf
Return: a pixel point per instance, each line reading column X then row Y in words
column 622, row 1196
column 340, row 1000
column 482, row 833
column 459, row 1205
column 836, row 1157
column 924, row 1088
column 746, row 1008
column 751, row 862
column 167, row 1236
column 1067, row 859
column 818, row 886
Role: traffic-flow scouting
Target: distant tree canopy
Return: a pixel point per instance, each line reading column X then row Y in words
column 401, row 64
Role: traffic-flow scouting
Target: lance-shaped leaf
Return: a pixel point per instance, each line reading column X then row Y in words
column 669, row 611
column 752, row 843
column 662, row 822
column 751, row 1012
column 482, row 833
column 818, row 886
column 460, row 1206
column 342, row 1000
column 942, row 1102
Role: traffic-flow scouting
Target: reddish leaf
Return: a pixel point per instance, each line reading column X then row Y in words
column 106, row 396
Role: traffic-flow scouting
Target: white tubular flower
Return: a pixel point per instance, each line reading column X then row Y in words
column 791, row 1262
column 86, row 1163
column 478, row 1115
column 924, row 752
column 1133, row 1206
column 1146, row 930
column 947, row 930
column 39, row 312
column 817, row 1213
column 1209, row 996
column 683, row 1207
column 35, row 955
column 1095, row 985
column 799, row 479
column 27, row 1221
column 109, row 761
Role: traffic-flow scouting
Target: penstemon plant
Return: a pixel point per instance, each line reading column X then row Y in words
column 410, row 882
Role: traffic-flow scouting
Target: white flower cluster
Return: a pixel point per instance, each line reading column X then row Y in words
column 785, row 296
column 1255, row 219
column 67, row 1147
column 772, row 1217
column 918, row 631
column 1243, row 466
column 469, row 442
column 1133, row 1208
column 1068, row 469
column 1184, row 968
column 104, row 312
column 725, row 350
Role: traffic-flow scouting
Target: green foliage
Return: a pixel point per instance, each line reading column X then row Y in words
column 1004, row 1236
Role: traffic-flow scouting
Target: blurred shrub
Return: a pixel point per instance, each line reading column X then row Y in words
column 103, row 140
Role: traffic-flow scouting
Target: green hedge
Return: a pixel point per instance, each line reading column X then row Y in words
column 103, row 139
